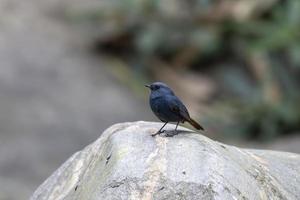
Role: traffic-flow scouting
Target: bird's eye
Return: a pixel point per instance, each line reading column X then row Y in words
column 155, row 87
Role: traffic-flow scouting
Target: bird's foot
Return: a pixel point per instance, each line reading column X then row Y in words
column 170, row 133
column 157, row 133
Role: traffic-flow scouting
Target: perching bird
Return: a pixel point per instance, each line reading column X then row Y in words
column 168, row 107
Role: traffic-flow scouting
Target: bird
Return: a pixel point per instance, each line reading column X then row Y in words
column 168, row 107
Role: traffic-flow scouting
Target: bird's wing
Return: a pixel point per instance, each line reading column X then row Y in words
column 178, row 107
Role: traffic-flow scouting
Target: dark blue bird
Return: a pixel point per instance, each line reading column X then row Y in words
column 168, row 107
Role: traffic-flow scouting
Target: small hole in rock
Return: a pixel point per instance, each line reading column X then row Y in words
column 107, row 159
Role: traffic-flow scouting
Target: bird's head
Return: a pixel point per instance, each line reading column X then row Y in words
column 159, row 87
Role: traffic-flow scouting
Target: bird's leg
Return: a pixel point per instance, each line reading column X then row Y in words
column 171, row 134
column 160, row 130
column 176, row 126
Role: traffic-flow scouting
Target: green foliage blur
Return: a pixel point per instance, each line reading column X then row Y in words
column 249, row 48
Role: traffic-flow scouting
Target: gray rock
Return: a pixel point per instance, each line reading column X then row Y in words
column 127, row 163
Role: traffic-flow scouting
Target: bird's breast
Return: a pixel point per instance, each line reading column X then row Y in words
column 161, row 108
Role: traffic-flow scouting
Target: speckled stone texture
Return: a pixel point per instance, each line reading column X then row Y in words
column 127, row 163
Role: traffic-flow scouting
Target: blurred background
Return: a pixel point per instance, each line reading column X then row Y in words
column 69, row 69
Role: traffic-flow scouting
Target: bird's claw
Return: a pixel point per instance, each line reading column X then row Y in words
column 157, row 133
column 166, row 133
column 171, row 133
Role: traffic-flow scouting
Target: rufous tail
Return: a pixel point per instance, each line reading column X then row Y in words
column 195, row 124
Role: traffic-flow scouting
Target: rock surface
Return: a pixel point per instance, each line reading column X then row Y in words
column 127, row 163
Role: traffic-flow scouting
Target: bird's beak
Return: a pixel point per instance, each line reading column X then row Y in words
column 148, row 86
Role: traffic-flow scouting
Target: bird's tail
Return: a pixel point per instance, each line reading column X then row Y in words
column 195, row 124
